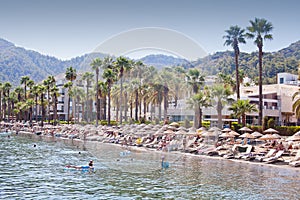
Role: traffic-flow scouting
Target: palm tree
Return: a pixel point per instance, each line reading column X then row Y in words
column 6, row 93
column 102, row 87
column 123, row 65
column 296, row 104
column 110, row 77
column 241, row 107
column 221, row 97
column 1, row 90
column 259, row 31
column 36, row 92
column 19, row 90
column 24, row 80
column 235, row 35
column 96, row 64
column 199, row 100
column 195, row 79
column 70, row 75
column 88, row 77
column 30, row 103
column 55, row 93
column 68, row 86
column 42, row 90
column 49, row 83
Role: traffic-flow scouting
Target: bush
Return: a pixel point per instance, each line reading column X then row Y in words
column 271, row 123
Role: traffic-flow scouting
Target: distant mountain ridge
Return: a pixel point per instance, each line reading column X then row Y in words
column 16, row 62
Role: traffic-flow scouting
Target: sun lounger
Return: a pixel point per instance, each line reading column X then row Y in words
column 268, row 155
column 274, row 158
column 295, row 162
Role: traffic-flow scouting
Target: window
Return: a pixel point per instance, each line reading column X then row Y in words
column 281, row 80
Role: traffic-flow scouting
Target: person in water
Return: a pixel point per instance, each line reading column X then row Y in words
column 91, row 164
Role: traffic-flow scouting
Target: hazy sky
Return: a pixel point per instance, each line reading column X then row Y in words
column 69, row 28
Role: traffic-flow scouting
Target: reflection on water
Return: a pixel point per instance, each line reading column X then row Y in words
column 29, row 172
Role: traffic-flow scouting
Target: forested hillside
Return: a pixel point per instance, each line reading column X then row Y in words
column 285, row 60
column 16, row 62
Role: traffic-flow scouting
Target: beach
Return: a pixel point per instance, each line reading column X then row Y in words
column 89, row 138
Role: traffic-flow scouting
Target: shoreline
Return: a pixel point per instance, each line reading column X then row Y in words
column 89, row 145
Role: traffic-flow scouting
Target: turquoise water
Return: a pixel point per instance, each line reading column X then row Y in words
column 29, row 172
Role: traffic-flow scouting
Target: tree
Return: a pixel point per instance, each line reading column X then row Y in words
column 235, row 35
column 102, row 92
column 30, row 104
column 24, row 80
column 88, row 77
column 54, row 91
column 71, row 74
column 259, row 31
column 96, row 64
column 68, row 86
column 195, row 79
column 6, row 93
column 35, row 91
column 221, row 97
column 123, row 65
column 41, row 91
column 241, row 107
column 199, row 100
column 296, row 104
column 49, row 83
column 110, row 77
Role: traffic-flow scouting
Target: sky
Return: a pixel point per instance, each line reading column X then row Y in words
column 69, row 28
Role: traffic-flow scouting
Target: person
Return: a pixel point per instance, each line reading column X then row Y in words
column 91, row 164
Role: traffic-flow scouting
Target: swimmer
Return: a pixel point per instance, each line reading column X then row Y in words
column 91, row 164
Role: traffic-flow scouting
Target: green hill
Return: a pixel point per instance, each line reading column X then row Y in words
column 16, row 62
column 285, row 60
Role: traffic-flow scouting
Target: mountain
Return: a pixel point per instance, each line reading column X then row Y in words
column 159, row 61
column 284, row 60
column 16, row 62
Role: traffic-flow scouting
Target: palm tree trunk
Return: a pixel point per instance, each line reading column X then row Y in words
column 237, row 75
column 43, row 110
column 69, row 102
column 166, row 101
column 121, row 99
column 108, row 109
column 48, row 106
column 260, row 115
column 125, row 106
column 97, row 95
column 197, row 116
column 219, row 111
column 136, row 105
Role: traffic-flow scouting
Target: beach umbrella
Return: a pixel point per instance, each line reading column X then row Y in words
column 268, row 137
column 210, row 134
column 256, row 134
column 293, row 138
column 227, row 135
column 169, row 131
column 226, row 130
column 247, row 135
column 234, row 133
column 245, row 129
column 183, row 129
column 201, row 129
column 270, row 130
column 214, row 129
column 277, row 136
column 175, row 124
